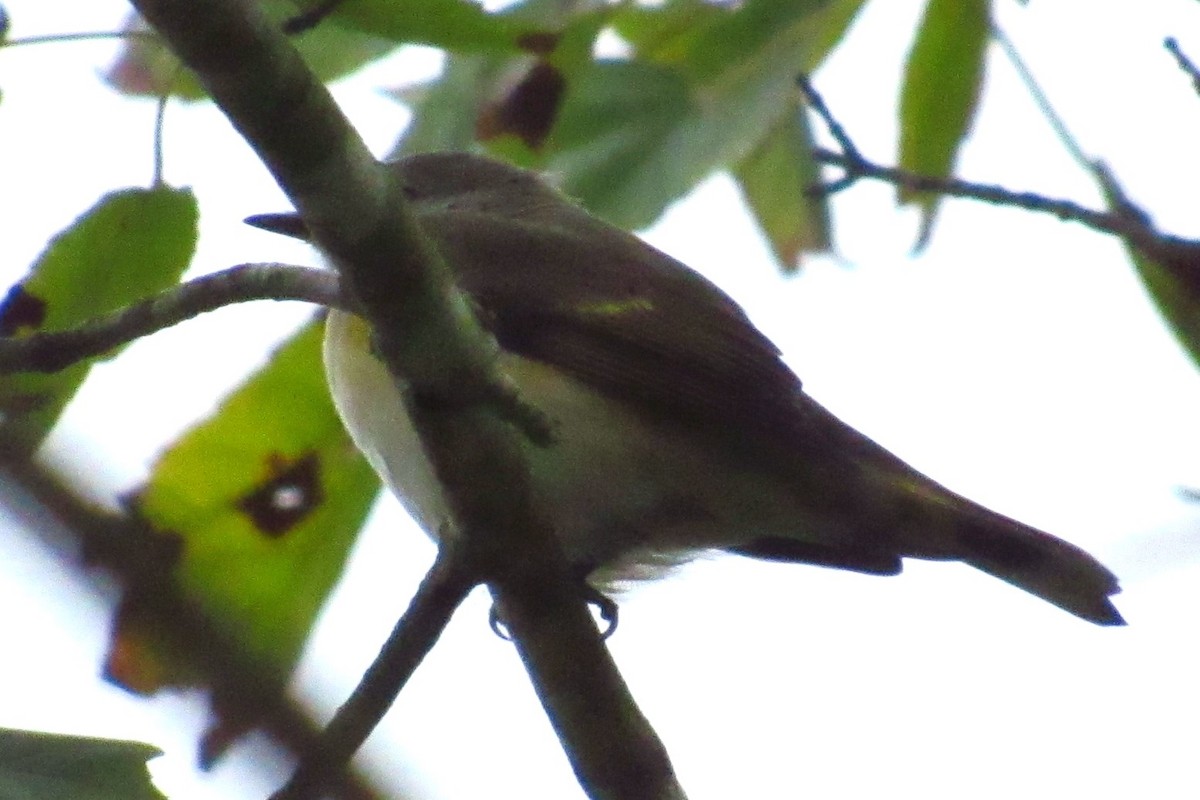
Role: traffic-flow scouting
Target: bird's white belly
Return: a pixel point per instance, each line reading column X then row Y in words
column 624, row 495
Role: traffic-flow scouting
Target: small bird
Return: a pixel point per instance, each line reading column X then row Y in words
column 678, row 429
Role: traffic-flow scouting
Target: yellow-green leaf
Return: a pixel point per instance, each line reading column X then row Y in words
column 133, row 243
column 261, row 502
column 942, row 81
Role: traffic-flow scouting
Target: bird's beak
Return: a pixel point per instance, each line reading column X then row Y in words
column 287, row 224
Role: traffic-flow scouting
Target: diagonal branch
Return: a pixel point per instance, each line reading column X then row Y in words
column 415, row 633
column 1181, row 59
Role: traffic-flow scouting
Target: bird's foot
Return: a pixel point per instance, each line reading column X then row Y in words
column 606, row 610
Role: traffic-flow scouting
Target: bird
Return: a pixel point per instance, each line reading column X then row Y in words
column 678, row 428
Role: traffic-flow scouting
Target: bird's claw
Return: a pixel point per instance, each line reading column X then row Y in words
column 606, row 607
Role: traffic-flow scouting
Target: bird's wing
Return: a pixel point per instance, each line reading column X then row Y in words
column 626, row 319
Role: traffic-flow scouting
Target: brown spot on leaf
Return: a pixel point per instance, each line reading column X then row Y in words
column 528, row 110
column 540, row 43
column 290, row 493
column 20, row 311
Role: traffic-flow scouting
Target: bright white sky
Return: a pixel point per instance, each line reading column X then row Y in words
column 1017, row 361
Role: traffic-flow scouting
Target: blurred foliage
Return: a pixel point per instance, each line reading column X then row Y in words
column 703, row 87
column 47, row 766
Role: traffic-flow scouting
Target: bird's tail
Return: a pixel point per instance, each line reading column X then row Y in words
column 1041, row 564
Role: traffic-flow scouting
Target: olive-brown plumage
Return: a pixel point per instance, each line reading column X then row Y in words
column 679, row 428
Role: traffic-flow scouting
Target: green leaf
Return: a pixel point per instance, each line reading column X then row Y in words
column 1175, row 290
column 457, row 25
column 445, row 110
column 749, row 37
column 47, row 766
column 942, row 82
column 146, row 68
column 1172, row 278
column 262, row 503
column 132, row 243
column 707, row 41
column 635, row 136
column 524, row 106
column 506, row 102
column 775, row 179
column 665, row 33
column 706, row 85
column 612, row 137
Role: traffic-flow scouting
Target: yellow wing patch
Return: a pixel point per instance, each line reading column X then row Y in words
column 613, row 308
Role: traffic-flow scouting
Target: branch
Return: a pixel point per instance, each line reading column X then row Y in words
column 415, row 633
column 1127, row 221
column 1039, row 97
column 1186, row 64
column 122, row 547
column 53, row 351
column 426, row 333
column 307, row 20
column 78, row 37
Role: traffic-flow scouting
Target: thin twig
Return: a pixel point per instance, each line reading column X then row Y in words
column 817, row 102
column 1126, row 218
column 56, row 38
column 445, row 587
column 1061, row 131
column 305, row 21
column 1127, row 221
column 50, row 352
column 1185, row 63
column 160, row 117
